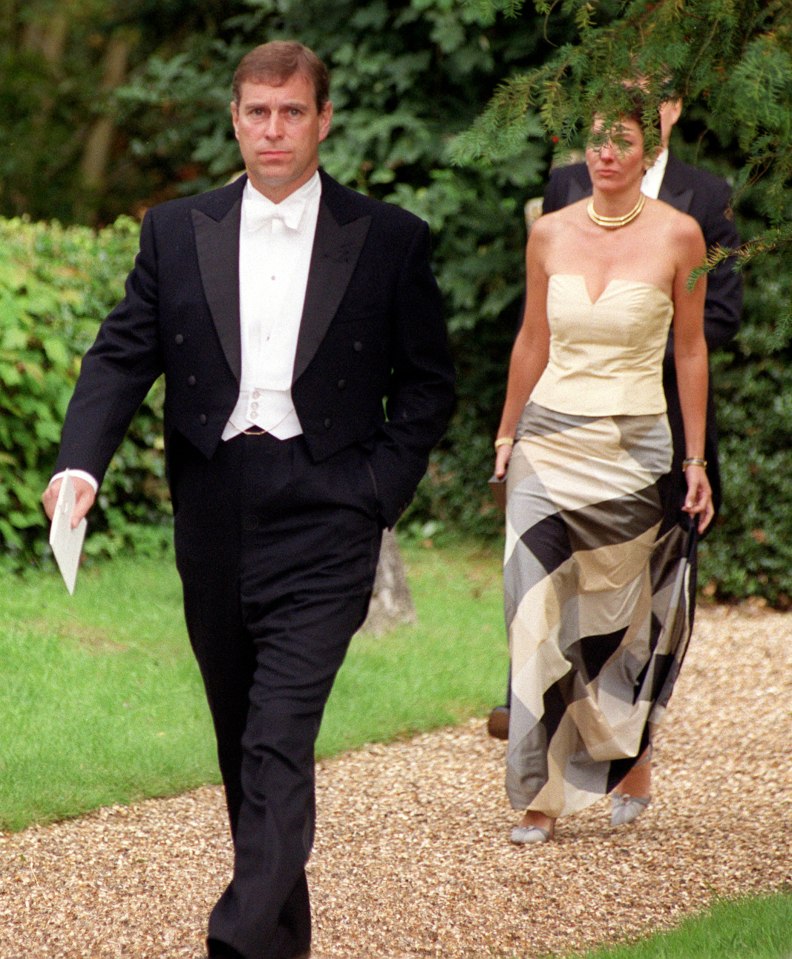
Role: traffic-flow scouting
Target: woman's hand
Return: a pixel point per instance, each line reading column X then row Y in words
column 699, row 496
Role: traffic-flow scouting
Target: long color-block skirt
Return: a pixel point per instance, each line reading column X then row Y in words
column 599, row 608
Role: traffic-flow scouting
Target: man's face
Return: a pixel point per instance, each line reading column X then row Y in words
column 279, row 131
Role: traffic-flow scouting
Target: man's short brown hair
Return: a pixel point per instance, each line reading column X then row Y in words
column 276, row 62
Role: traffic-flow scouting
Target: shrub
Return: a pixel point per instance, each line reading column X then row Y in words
column 56, row 285
column 750, row 553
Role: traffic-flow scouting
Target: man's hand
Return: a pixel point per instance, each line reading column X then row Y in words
column 85, row 498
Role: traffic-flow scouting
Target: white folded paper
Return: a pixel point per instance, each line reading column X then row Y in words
column 66, row 542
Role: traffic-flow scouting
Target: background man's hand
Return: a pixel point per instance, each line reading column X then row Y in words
column 85, row 498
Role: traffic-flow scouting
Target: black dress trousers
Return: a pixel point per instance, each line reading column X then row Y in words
column 277, row 556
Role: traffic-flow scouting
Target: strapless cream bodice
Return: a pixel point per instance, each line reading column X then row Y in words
column 606, row 357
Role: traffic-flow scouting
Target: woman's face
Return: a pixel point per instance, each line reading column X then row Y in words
column 615, row 157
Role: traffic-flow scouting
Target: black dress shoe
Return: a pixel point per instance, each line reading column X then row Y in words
column 221, row 950
column 498, row 723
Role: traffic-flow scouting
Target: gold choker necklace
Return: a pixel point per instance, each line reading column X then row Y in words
column 614, row 222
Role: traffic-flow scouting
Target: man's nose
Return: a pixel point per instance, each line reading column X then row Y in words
column 273, row 127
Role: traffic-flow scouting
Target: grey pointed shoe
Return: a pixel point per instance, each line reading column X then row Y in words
column 626, row 809
column 521, row 835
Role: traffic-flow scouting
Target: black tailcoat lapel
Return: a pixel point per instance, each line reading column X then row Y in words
column 217, row 243
column 340, row 235
column 579, row 186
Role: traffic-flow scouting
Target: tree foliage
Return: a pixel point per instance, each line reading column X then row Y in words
column 63, row 152
column 731, row 60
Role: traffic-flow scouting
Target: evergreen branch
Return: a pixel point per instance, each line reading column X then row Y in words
column 732, row 57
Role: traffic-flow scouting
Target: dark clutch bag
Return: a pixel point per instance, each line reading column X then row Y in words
column 498, row 488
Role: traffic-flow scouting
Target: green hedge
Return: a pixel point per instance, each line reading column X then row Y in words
column 57, row 283
column 750, row 553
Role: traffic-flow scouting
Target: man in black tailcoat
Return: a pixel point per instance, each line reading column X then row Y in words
column 307, row 375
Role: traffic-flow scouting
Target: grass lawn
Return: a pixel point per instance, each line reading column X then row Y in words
column 759, row 927
column 103, row 702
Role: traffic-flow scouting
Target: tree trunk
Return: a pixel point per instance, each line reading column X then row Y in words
column 47, row 37
column 391, row 603
column 96, row 153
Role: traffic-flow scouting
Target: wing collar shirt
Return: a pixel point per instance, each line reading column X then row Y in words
column 275, row 245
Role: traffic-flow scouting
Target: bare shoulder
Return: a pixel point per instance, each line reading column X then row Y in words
column 563, row 215
column 549, row 225
column 541, row 234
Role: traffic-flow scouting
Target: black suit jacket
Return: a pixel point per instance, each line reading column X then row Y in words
column 372, row 364
column 707, row 199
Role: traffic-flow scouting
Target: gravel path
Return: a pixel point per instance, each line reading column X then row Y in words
column 412, row 857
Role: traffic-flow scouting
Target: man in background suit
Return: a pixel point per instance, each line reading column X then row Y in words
column 299, row 330
column 707, row 198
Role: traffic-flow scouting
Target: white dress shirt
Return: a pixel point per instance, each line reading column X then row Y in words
column 275, row 245
column 653, row 178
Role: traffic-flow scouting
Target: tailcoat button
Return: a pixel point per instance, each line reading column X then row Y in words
column 357, row 346
column 342, row 384
column 179, row 339
column 328, row 423
column 191, row 381
column 203, row 419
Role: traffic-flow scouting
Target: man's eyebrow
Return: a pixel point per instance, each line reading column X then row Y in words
column 287, row 105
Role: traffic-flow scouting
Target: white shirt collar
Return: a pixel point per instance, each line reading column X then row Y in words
column 258, row 209
column 653, row 178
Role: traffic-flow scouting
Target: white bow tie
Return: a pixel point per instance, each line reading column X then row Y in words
column 259, row 211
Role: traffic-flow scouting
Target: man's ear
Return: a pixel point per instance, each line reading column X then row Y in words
column 234, row 116
column 325, row 120
column 670, row 112
column 675, row 109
